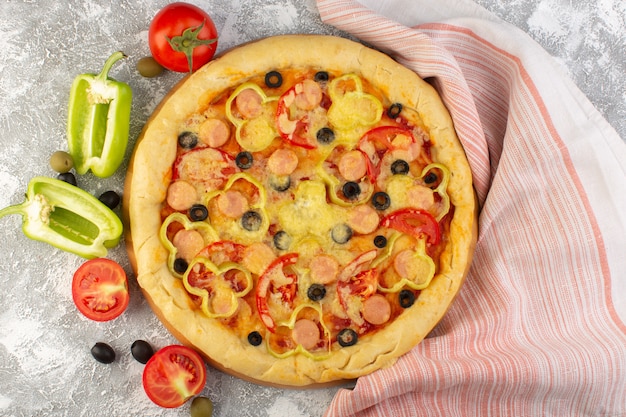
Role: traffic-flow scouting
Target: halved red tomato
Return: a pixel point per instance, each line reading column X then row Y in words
column 173, row 375
column 100, row 289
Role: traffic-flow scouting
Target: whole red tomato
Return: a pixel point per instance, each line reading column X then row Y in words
column 182, row 37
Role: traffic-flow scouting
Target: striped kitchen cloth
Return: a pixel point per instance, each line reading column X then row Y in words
column 538, row 327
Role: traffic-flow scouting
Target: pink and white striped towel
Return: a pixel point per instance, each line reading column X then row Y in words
column 538, row 328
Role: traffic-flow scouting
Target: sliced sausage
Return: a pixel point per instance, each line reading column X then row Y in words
column 232, row 204
column 363, row 219
column 306, row 333
column 282, row 162
column 405, row 148
column 308, row 95
column 376, row 309
column 222, row 302
column 214, row 132
column 181, row 195
column 188, row 243
column 420, row 196
column 257, row 257
column 353, row 165
column 404, row 264
column 324, row 269
column 249, row 103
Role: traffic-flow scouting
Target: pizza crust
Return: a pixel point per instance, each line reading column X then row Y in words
column 149, row 175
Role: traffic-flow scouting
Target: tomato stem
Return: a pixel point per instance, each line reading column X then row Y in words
column 188, row 41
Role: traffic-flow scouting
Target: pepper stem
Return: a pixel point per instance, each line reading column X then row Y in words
column 188, row 41
column 14, row 209
column 116, row 56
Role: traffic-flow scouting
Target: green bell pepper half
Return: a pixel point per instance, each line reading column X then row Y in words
column 67, row 217
column 98, row 121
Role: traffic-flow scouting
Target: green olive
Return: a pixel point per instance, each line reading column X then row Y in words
column 148, row 67
column 61, row 162
column 201, row 407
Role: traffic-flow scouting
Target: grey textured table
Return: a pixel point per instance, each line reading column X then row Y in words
column 45, row 365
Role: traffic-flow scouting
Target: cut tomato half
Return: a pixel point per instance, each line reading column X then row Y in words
column 173, row 375
column 100, row 289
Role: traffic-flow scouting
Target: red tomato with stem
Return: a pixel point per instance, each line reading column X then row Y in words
column 173, row 375
column 182, row 37
column 100, row 289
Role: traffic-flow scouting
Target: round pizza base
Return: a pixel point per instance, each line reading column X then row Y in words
column 149, row 175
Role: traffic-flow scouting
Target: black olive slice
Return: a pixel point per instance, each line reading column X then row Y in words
column 280, row 182
column 325, row 135
column 187, row 140
column 251, row 221
column 198, row 212
column 351, row 190
column 347, row 337
column 430, row 178
column 180, row 265
column 399, row 166
column 381, row 200
column 244, row 160
column 321, row 76
column 394, row 110
column 282, row 240
column 380, row 241
column 406, row 298
column 341, row 233
column 316, row 292
column 273, row 79
column 255, row 338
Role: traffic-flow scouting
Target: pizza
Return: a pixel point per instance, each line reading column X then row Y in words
column 300, row 210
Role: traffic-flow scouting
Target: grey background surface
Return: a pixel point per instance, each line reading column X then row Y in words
column 45, row 365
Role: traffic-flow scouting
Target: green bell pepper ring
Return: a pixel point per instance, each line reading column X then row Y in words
column 67, row 217
column 98, row 121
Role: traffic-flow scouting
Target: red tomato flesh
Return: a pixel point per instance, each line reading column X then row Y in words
column 168, row 27
column 100, row 289
column 173, row 375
